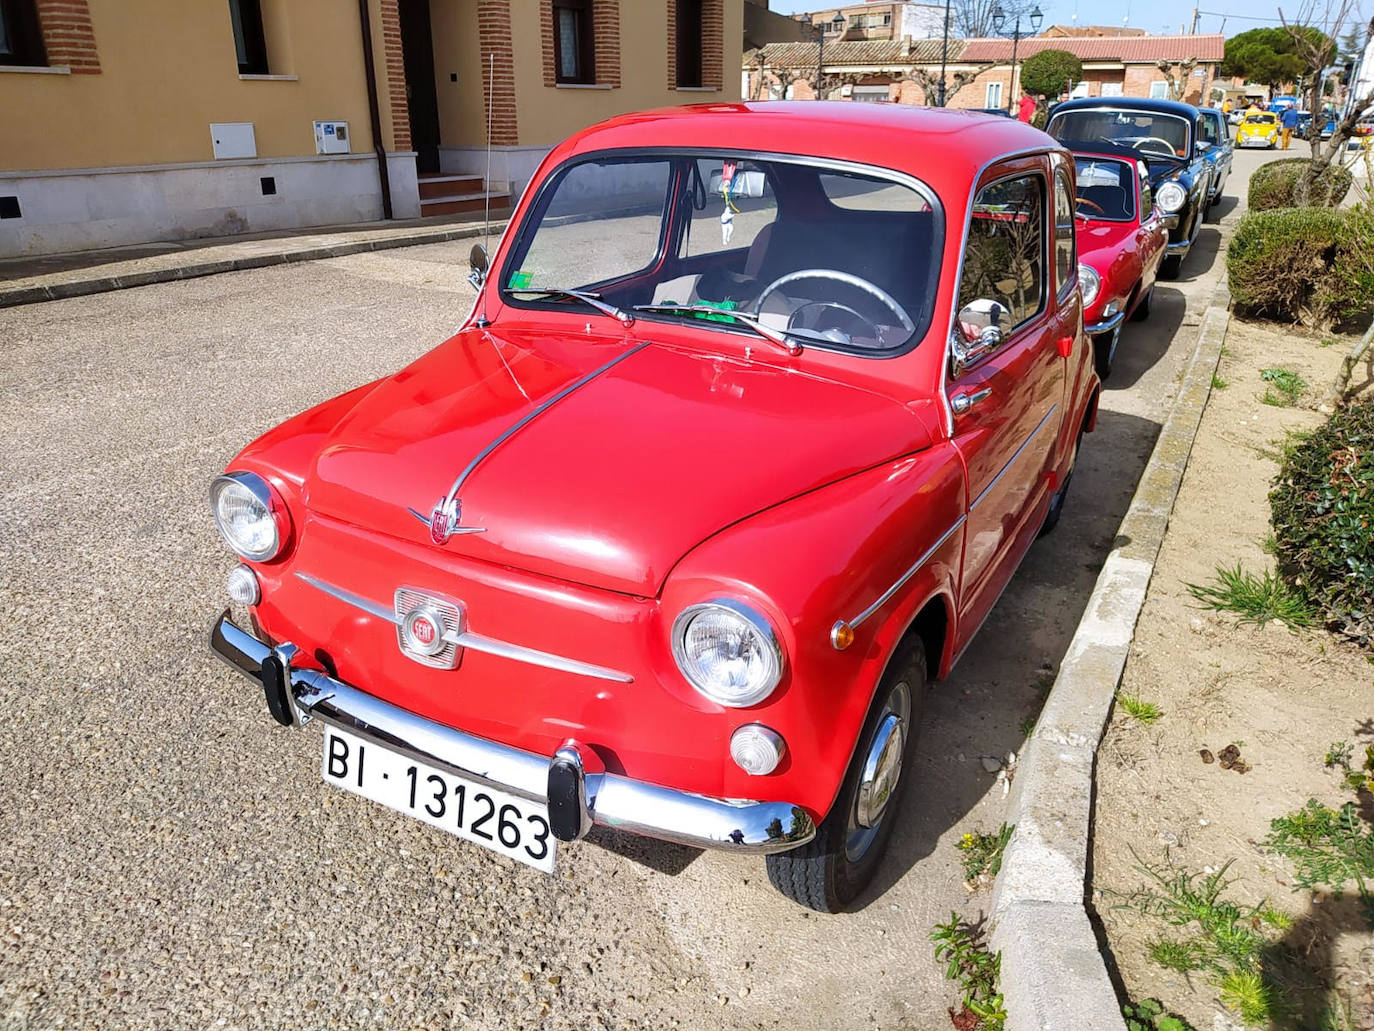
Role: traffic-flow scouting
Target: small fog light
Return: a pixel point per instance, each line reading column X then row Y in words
column 1111, row 309
column 756, row 749
column 242, row 586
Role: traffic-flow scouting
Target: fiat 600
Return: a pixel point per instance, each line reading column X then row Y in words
column 758, row 409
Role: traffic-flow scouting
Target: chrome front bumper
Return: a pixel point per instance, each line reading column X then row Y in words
column 577, row 797
column 1106, row 325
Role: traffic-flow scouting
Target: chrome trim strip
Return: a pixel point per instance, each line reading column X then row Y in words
column 901, row 581
column 731, row 825
column 1106, row 325
column 453, row 530
column 1012, row 460
column 529, row 417
column 478, row 643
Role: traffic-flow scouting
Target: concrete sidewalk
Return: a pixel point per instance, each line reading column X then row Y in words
column 53, row 276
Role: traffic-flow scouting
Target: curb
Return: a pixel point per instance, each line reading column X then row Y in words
column 1053, row 976
column 14, row 297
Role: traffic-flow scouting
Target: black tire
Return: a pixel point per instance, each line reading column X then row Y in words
column 828, row 872
column 1104, row 352
column 1171, row 266
column 1057, row 500
column 1142, row 310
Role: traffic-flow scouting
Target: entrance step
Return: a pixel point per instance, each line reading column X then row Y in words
column 463, row 203
column 434, row 185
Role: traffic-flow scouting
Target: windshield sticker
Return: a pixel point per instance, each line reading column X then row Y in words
column 520, row 280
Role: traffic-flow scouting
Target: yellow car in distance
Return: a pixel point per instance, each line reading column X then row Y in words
column 1258, row 129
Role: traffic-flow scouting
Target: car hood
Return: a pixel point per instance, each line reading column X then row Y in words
column 607, row 484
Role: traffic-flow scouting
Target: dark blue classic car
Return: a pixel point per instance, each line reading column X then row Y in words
column 1165, row 135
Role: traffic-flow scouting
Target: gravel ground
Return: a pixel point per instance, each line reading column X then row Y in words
column 171, row 859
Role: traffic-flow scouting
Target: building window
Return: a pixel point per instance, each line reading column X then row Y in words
column 994, row 95
column 21, row 38
column 572, row 41
column 689, row 43
column 250, row 45
column 1159, row 90
column 872, row 94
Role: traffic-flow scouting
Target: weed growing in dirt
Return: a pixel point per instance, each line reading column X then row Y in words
column 963, row 950
column 1139, row 709
column 1028, row 725
column 1218, row 383
column 1285, row 387
column 1269, row 544
column 1150, row 1015
column 982, row 853
column 1256, row 599
column 1328, row 848
column 1340, row 755
column 1225, row 940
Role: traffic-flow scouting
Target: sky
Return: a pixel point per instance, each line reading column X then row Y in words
column 1157, row 17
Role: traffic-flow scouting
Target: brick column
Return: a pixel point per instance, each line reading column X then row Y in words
column 395, row 76
column 67, row 35
column 606, row 41
column 498, row 75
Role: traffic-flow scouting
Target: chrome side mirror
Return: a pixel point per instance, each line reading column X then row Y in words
column 477, row 258
column 1203, row 146
column 977, row 332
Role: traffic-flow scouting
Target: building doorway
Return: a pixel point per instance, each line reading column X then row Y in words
column 417, row 44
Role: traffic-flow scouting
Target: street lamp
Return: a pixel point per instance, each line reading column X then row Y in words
column 999, row 18
column 944, row 58
column 836, row 23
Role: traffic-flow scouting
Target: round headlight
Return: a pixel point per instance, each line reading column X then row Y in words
column 728, row 652
column 248, row 514
column 1089, row 282
column 1171, row 197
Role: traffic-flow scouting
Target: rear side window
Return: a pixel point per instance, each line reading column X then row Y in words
column 1065, row 256
column 1007, row 246
column 863, row 193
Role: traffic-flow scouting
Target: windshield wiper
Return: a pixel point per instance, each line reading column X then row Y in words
column 594, row 300
column 791, row 346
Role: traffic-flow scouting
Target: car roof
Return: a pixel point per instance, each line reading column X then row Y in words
column 943, row 147
column 1168, row 107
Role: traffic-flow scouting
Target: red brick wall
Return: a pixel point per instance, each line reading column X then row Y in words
column 605, row 41
column 395, row 76
column 498, row 77
column 68, row 36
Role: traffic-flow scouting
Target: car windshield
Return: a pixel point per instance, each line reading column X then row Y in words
column 1106, row 189
column 825, row 255
column 1153, row 133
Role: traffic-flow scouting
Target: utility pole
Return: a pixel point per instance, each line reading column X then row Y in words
column 1193, row 32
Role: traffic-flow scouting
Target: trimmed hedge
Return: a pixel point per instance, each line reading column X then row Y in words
column 1322, row 509
column 1308, row 265
column 1273, row 185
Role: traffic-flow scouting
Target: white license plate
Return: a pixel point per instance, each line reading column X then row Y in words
column 514, row 827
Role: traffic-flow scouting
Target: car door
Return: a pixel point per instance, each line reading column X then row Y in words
column 1152, row 235
column 1006, row 392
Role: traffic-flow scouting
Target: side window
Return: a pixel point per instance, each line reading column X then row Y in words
column 1007, row 245
column 740, row 204
column 1065, row 255
column 1207, row 129
column 1147, row 195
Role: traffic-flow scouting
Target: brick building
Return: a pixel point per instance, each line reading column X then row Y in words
column 979, row 72
column 876, row 20
column 213, row 117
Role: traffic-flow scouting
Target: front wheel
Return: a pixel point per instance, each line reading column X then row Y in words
column 1104, row 352
column 1171, row 266
column 1142, row 309
column 828, row 872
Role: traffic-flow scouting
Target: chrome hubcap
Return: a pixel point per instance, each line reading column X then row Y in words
column 882, row 772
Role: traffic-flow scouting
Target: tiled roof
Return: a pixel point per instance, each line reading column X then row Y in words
column 859, row 53
column 1127, row 49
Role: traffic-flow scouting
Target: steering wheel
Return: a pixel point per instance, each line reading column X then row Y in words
column 795, row 317
column 1092, row 204
column 1168, row 147
column 887, row 300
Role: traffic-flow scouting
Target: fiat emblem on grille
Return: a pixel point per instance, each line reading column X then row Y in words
column 426, row 627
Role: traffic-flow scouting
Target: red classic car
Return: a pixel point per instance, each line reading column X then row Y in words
column 1122, row 237
column 757, row 412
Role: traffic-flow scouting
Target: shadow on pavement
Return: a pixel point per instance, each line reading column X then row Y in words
column 1144, row 343
column 983, row 707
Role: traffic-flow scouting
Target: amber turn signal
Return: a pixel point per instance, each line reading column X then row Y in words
column 841, row 636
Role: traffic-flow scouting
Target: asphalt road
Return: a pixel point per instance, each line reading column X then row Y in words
column 169, row 858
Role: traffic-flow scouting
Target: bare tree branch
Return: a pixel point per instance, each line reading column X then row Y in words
column 1176, row 75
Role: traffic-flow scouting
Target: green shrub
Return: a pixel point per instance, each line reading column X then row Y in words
column 1276, row 185
column 1279, row 263
column 1322, row 508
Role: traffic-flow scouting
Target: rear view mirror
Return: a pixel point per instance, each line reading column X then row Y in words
column 978, row 331
column 477, row 259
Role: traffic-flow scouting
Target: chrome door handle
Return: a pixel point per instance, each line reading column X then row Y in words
column 961, row 403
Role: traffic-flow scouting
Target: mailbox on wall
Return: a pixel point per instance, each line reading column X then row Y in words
column 331, row 138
